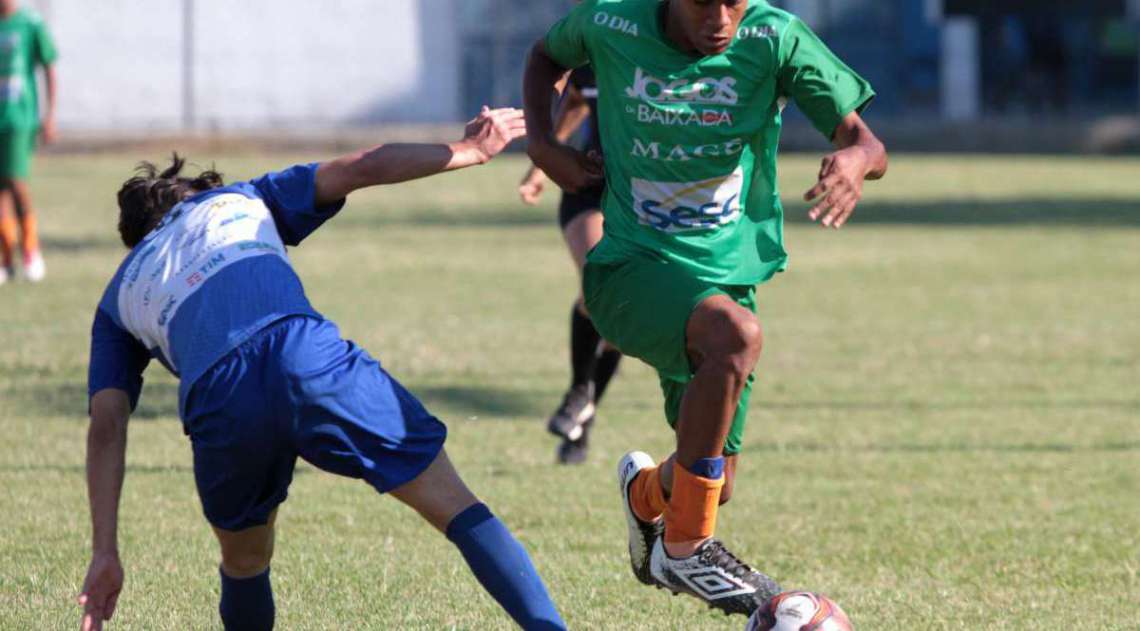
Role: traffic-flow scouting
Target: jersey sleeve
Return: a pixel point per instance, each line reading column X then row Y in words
column 566, row 41
column 45, row 51
column 822, row 86
column 117, row 359
column 290, row 196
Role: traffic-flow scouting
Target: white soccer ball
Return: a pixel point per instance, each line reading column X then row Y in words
column 799, row 611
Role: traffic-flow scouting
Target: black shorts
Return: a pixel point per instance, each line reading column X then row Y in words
column 574, row 204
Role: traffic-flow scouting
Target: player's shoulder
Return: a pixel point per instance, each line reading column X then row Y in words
column 109, row 300
column 764, row 21
column 243, row 188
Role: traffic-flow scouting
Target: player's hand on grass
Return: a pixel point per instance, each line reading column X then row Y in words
column 839, row 189
column 101, row 590
column 492, row 130
column 569, row 168
column 532, row 186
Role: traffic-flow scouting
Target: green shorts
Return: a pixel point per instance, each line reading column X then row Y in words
column 16, row 148
column 642, row 306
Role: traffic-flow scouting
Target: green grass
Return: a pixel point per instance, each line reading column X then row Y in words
column 945, row 433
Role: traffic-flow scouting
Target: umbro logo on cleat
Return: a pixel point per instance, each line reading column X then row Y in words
column 712, row 584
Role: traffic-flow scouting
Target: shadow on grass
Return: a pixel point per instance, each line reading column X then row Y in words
column 920, row 406
column 1030, row 211
column 80, row 469
column 477, row 218
column 947, row 448
column 71, row 245
column 1045, row 211
column 473, row 401
column 158, row 400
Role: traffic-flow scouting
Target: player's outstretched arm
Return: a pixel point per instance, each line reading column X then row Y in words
column 569, row 168
column 859, row 156
column 106, row 455
column 485, row 137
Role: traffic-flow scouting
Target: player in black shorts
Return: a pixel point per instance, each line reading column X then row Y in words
column 592, row 361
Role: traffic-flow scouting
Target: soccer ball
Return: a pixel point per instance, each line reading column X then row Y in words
column 799, row 611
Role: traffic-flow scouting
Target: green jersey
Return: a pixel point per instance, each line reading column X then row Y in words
column 690, row 142
column 24, row 45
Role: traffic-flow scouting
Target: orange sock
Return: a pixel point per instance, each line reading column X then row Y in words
column 646, row 495
column 691, row 515
column 8, row 236
column 30, row 229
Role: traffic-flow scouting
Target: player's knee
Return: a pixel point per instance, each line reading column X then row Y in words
column 750, row 337
column 246, row 563
column 735, row 344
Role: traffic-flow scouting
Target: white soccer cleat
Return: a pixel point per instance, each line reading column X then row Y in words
column 642, row 534
column 34, row 267
column 6, row 274
column 714, row 575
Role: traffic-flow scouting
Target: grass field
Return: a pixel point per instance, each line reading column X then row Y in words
column 945, row 433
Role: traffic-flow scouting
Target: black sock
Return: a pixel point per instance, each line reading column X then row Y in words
column 604, row 369
column 584, row 341
column 247, row 603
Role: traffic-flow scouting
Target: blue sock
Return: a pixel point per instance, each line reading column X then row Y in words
column 247, row 603
column 711, row 468
column 503, row 567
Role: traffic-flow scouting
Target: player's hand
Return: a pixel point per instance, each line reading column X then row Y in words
column 839, row 189
column 48, row 131
column 101, row 590
column 532, row 186
column 569, row 168
column 492, row 130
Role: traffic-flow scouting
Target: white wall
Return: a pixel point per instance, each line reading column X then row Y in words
column 255, row 64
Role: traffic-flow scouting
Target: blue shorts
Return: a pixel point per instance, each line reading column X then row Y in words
column 297, row 389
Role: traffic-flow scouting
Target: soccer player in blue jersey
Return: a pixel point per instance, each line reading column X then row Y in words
column 208, row 290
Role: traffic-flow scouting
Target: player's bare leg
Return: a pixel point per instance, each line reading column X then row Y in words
column 9, row 236
column 494, row 556
column 21, row 193
column 247, row 595
column 593, row 360
column 724, row 342
column 438, row 494
column 676, row 550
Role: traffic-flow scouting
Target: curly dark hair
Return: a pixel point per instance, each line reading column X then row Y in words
column 149, row 195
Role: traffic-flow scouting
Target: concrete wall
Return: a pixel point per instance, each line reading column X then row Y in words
column 253, row 64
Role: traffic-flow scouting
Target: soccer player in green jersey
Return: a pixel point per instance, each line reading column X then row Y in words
column 25, row 45
column 690, row 96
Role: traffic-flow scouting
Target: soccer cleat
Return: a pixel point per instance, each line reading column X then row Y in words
column 34, row 268
column 642, row 534
column 574, row 451
column 6, row 274
column 570, row 419
column 713, row 575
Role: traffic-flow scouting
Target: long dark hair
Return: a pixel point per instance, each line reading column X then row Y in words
column 149, row 195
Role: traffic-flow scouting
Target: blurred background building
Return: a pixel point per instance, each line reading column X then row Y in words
column 257, row 65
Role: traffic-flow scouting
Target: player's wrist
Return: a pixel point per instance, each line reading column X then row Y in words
column 468, row 153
